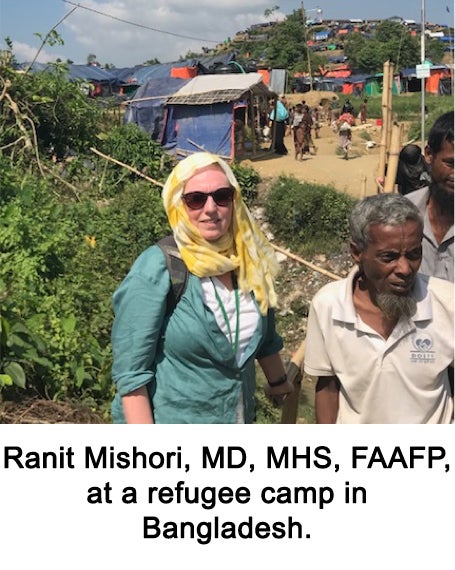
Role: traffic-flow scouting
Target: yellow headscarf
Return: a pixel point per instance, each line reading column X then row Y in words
column 243, row 248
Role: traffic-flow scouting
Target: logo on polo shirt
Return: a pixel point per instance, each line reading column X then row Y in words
column 422, row 352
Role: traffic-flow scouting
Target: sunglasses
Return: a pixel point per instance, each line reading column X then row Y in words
column 197, row 200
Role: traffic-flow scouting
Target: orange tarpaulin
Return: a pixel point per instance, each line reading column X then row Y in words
column 339, row 73
column 184, row 72
column 432, row 82
column 265, row 75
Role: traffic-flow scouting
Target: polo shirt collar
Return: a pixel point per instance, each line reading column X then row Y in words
column 344, row 310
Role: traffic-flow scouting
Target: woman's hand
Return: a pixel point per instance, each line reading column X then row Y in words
column 278, row 394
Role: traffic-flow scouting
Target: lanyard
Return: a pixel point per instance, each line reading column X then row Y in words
column 235, row 344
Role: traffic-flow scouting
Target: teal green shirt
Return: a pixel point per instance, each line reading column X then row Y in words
column 185, row 360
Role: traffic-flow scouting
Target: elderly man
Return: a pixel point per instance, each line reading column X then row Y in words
column 435, row 202
column 381, row 340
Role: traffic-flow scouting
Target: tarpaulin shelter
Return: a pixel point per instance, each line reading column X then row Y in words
column 216, row 113
column 354, row 85
column 147, row 107
column 439, row 82
column 129, row 79
column 322, row 36
column 99, row 81
column 373, row 84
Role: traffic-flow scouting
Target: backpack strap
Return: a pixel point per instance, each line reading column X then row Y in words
column 178, row 272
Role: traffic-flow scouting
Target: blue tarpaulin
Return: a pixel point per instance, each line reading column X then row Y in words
column 196, row 127
column 146, row 109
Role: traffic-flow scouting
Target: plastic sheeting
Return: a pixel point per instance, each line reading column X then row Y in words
column 147, row 108
column 190, row 128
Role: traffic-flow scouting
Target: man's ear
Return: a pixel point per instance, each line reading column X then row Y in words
column 428, row 155
column 355, row 252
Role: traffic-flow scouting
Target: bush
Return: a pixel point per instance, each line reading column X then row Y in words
column 248, row 180
column 61, row 261
column 308, row 217
column 132, row 146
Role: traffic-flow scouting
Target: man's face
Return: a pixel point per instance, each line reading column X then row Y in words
column 392, row 258
column 441, row 166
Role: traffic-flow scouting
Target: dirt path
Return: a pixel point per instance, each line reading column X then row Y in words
column 355, row 176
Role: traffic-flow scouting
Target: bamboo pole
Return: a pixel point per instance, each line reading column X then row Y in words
column 392, row 165
column 307, row 263
column 63, row 181
column 151, row 98
column 389, row 107
column 107, row 157
column 383, row 143
column 252, row 117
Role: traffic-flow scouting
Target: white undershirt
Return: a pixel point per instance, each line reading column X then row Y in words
column 248, row 320
column 249, row 315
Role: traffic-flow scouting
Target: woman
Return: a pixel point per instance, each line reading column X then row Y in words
column 345, row 139
column 363, row 111
column 298, row 131
column 279, row 115
column 307, row 125
column 196, row 365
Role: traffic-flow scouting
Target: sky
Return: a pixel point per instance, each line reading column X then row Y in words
column 203, row 22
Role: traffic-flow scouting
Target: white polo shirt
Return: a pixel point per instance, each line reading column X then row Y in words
column 399, row 380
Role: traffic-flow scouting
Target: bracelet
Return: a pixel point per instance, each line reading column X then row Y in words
column 281, row 380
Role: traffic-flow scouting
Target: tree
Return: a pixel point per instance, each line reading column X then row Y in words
column 91, row 59
column 62, row 116
column 152, row 61
column 434, row 50
column 286, row 45
column 353, row 46
column 392, row 41
column 269, row 12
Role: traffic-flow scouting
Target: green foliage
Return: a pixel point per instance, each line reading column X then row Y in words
column 354, row 44
column 391, row 41
column 248, row 180
column 48, row 103
column 287, row 44
column 130, row 145
column 407, row 108
column 308, row 217
column 434, row 50
column 20, row 349
column 61, row 261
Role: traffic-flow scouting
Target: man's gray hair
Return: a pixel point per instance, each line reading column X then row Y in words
column 387, row 209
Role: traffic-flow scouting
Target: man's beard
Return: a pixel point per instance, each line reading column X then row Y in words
column 443, row 198
column 395, row 306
